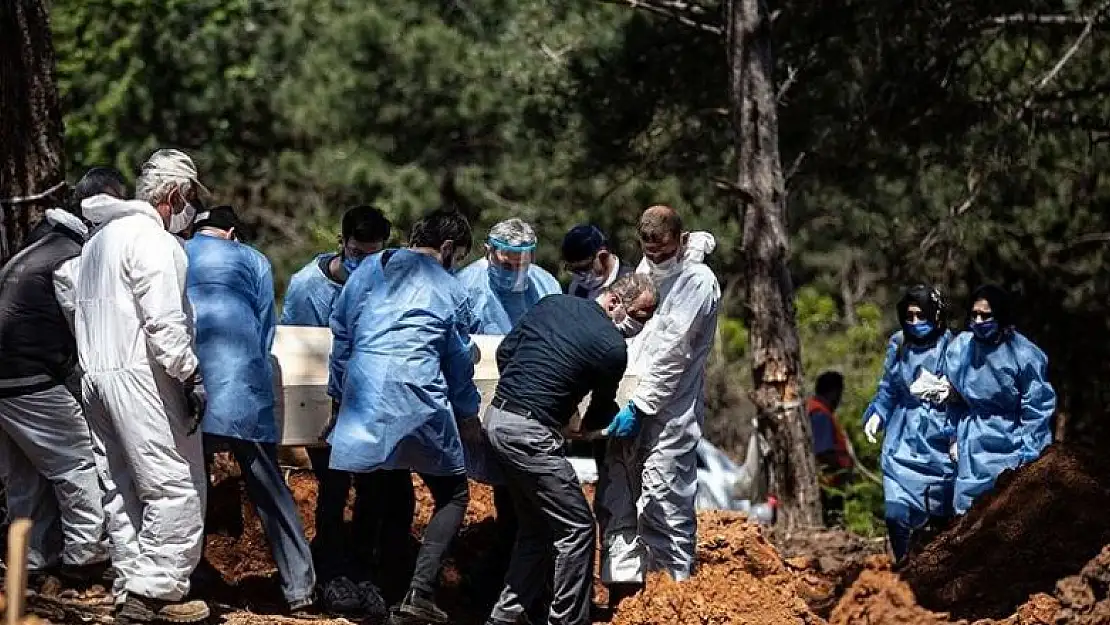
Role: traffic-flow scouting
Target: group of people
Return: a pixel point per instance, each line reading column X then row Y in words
column 136, row 336
column 956, row 410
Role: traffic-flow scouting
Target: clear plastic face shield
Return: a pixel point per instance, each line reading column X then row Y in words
column 508, row 265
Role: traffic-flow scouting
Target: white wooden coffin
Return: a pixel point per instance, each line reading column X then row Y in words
column 301, row 381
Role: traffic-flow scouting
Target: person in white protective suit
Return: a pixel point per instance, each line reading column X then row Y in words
column 648, row 483
column 142, row 388
column 46, row 454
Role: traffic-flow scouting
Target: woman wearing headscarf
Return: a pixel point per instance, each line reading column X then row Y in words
column 1005, row 401
column 917, row 470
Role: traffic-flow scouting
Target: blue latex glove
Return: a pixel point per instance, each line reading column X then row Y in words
column 625, row 423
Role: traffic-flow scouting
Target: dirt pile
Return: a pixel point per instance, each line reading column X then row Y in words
column 881, row 597
column 1042, row 523
column 741, row 579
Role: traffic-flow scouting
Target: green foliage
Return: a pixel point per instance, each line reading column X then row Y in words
column 915, row 145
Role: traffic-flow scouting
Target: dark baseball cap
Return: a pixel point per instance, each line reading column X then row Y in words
column 220, row 217
column 582, row 243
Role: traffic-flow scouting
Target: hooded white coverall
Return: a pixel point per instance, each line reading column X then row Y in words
column 649, row 483
column 135, row 343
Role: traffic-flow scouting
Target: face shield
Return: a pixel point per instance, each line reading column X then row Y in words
column 508, row 265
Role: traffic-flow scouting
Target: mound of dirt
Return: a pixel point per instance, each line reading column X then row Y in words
column 1042, row 523
column 741, row 579
column 879, row 597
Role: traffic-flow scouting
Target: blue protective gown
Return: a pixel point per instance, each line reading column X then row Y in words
column 1006, row 410
column 231, row 289
column 401, row 367
column 309, row 297
column 918, row 473
column 496, row 312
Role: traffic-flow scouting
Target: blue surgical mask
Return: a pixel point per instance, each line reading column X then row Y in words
column 506, row 280
column 920, row 329
column 985, row 330
column 350, row 264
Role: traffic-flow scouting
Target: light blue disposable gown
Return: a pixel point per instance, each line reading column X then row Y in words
column 401, row 367
column 918, row 473
column 231, row 289
column 497, row 311
column 1006, row 413
column 310, row 295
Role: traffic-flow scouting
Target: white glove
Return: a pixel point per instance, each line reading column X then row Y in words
column 930, row 388
column 871, row 428
column 952, row 453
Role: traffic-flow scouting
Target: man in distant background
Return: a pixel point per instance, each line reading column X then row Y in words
column 830, row 444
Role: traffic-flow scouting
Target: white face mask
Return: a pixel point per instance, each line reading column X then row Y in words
column 182, row 220
column 589, row 279
column 630, row 327
column 667, row 268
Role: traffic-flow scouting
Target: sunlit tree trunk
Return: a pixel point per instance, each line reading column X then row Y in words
column 761, row 197
column 30, row 119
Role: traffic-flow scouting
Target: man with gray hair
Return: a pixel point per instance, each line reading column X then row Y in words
column 563, row 349
column 506, row 283
column 143, row 390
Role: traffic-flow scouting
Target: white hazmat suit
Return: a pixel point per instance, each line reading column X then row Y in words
column 649, row 483
column 135, row 341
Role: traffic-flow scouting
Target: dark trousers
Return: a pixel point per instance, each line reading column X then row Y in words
column 553, row 515
column 906, row 535
column 277, row 510
column 451, row 494
column 381, row 520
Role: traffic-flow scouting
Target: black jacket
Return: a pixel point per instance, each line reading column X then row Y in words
column 37, row 348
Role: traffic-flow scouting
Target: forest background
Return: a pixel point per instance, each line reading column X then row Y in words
column 955, row 142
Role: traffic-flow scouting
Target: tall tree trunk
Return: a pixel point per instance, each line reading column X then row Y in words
column 30, row 120
column 775, row 350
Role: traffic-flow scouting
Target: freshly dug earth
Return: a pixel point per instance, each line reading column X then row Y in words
column 1042, row 523
column 741, row 579
column 881, row 597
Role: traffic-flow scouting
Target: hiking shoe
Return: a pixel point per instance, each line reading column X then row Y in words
column 416, row 608
column 139, row 609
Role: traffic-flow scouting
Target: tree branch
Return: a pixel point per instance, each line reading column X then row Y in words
column 1034, row 89
column 1044, row 20
column 1068, row 55
column 685, row 13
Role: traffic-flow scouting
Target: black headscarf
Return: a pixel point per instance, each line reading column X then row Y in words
column 1001, row 305
column 933, row 308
